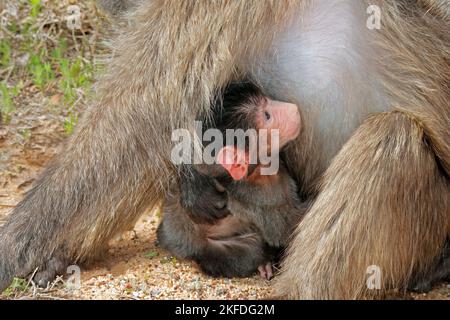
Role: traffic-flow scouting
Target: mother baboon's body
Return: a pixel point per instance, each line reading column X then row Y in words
column 383, row 199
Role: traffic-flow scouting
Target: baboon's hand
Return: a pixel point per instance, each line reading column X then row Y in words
column 210, row 205
column 203, row 197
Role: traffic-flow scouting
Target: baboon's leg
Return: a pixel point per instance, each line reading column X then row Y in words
column 165, row 68
column 48, row 229
column 441, row 271
column 384, row 202
column 238, row 256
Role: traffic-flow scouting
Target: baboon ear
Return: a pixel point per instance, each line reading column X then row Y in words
column 234, row 160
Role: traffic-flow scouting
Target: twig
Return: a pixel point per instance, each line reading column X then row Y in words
column 32, row 276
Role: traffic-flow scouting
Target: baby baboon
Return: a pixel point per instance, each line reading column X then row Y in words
column 263, row 209
column 374, row 153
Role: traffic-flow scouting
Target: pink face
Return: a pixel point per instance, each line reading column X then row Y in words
column 281, row 116
column 271, row 115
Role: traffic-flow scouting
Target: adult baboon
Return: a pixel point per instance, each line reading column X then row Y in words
column 383, row 197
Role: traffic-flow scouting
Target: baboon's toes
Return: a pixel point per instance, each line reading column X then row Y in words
column 266, row 271
column 421, row 287
column 54, row 267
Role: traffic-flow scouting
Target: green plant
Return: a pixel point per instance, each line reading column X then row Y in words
column 25, row 133
column 48, row 56
column 6, row 102
column 36, row 7
column 17, row 286
column 70, row 122
column 5, row 53
column 151, row 254
column 40, row 70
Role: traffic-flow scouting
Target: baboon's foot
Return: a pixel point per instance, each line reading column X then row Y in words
column 441, row 272
column 56, row 266
column 266, row 271
column 423, row 286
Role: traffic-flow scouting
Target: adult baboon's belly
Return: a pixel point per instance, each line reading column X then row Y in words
column 326, row 64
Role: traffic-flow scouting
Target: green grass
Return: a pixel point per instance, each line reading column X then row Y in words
column 5, row 53
column 60, row 67
column 70, row 122
column 17, row 286
column 25, row 133
column 7, row 106
column 151, row 254
column 40, row 70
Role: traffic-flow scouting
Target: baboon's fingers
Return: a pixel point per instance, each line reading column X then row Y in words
column 380, row 217
column 203, row 198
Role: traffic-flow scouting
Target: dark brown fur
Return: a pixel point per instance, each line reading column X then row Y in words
column 262, row 216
